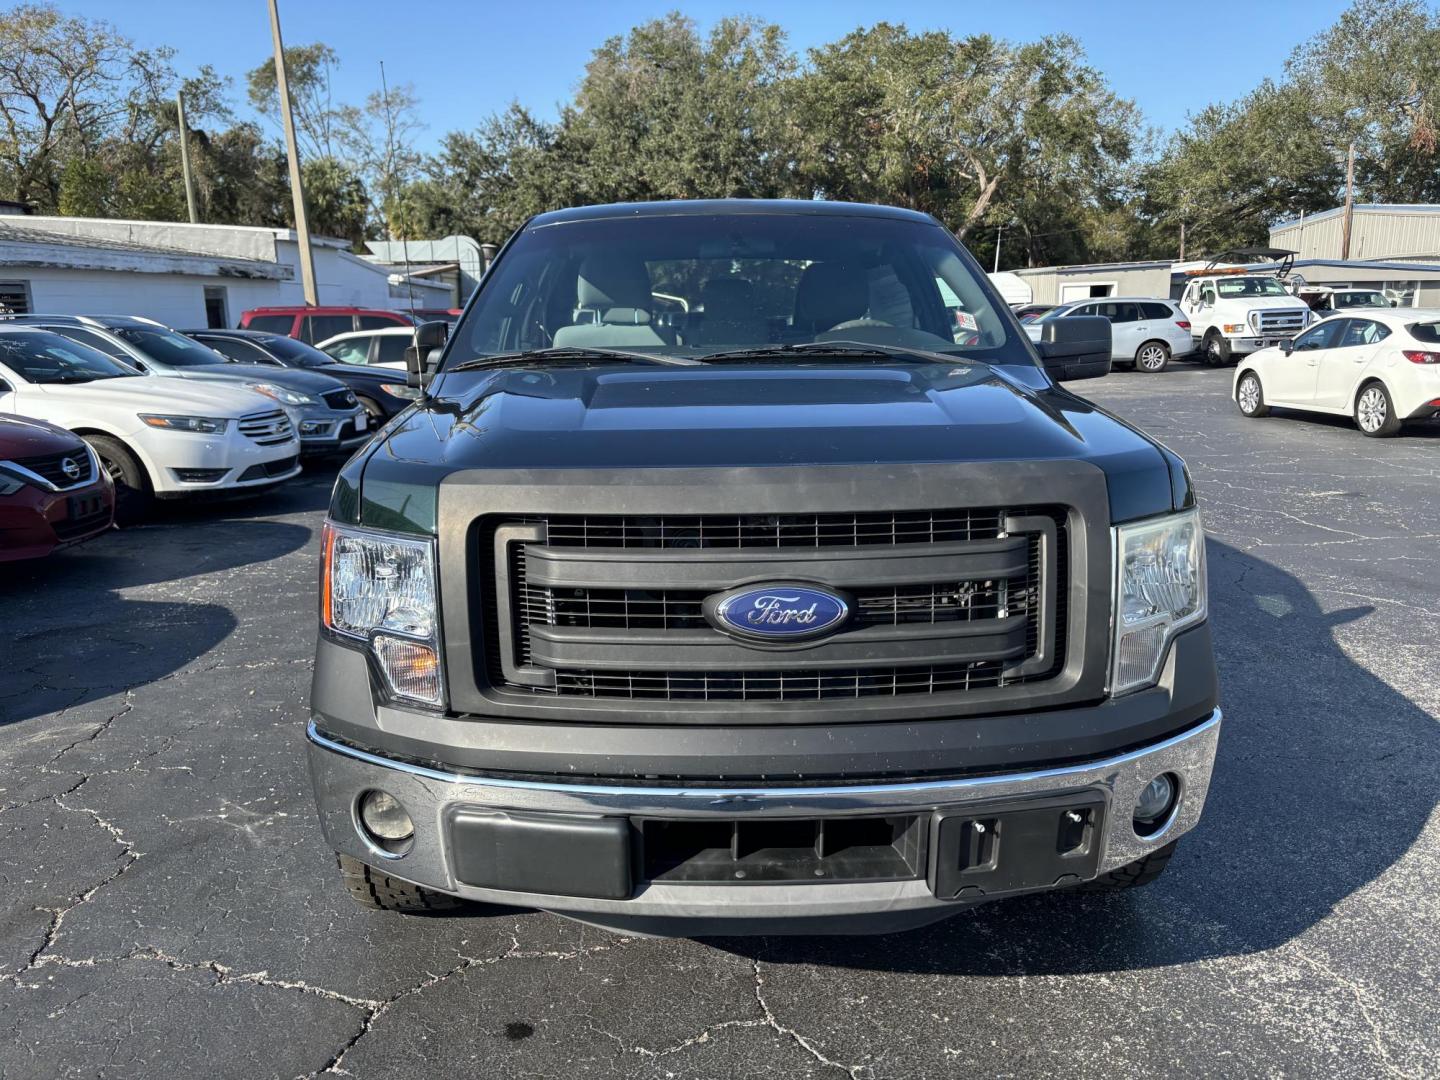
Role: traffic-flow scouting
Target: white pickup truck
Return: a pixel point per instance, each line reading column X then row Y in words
column 1234, row 312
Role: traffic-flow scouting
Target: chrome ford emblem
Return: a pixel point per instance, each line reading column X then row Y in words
column 70, row 467
column 778, row 612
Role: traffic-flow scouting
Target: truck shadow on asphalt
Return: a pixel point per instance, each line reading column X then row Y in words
column 1324, row 779
column 73, row 638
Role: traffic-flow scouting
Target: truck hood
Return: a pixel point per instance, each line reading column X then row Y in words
column 1265, row 303
column 160, row 395
column 624, row 417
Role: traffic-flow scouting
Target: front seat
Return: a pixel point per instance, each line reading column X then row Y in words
column 828, row 295
column 730, row 314
column 616, row 291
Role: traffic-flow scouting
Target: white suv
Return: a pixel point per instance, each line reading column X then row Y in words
column 1145, row 333
column 1382, row 368
column 166, row 438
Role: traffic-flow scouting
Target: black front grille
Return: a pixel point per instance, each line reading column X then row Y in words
column 775, row 530
column 624, row 615
column 74, row 527
column 269, row 468
column 340, row 399
column 52, row 467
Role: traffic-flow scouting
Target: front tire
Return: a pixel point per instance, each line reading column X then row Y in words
column 133, row 491
column 1134, row 875
column 1217, row 350
column 375, row 889
column 377, row 414
column 1152, row 357
column 1250, row 396
column 1375, row 412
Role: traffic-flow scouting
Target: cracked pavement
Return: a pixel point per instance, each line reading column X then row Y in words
column 169, row 907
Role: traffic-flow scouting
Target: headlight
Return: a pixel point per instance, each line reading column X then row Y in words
column 380, row 588
column 9, row 485
column 206, row 425
column 400, row 390
column 1159, row 590
column 282, row 394
column 1233, row 328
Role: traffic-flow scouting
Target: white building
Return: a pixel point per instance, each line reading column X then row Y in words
column 181, row 274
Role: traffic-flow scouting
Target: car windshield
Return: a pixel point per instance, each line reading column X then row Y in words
column 1361, row 299
column 1054, row 313
column 43, row 357
column 296, row 353
column 690, row 285
column 169, row 348
column 1250, row 286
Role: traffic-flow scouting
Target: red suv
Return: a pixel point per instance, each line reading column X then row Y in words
column 53, row 492
column 316, row 324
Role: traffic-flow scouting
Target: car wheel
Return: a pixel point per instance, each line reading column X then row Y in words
column 133, row 492
column 377, row 414
column 1375, row 412
column 376, row 889
column 1133, row 875
column 1217, row 350
column 1152, row 357
column 1250, row 397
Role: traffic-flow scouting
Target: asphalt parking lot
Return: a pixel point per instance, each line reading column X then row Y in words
column 169, row 908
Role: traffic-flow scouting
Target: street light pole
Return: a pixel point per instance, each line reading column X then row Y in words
column 185, row 159
column 297, row 189
column 1000, row 232
column 1349, row 203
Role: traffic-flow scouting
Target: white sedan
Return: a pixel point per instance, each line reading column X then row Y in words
column 1382, row 368
column 155, row 437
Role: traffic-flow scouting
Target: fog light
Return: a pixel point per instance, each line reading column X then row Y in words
column 314, row 427
column 384, row 817
column 1156, row 802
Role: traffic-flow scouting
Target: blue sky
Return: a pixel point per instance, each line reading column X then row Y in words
column 467, row 59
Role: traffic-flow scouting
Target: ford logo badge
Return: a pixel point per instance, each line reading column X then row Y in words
column 778, row 612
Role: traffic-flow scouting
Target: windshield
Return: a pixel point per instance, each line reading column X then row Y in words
column 169, row 348
column 691, row 285
column 1363, row 298
column 1250, row 286
column 43, row 357
column 296, row 353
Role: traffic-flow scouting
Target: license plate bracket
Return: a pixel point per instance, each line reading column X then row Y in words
column 992, row 849
column 83, row 506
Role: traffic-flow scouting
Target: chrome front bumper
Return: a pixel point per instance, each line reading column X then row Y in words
column 343, row 773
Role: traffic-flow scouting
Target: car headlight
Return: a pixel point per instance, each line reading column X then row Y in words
column 9, row 485
column 1159, row 591
column 205, row 425
column 380, row 588
column 400, row 390
column 282, row 394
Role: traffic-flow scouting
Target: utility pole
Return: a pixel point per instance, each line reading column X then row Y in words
column 1182, row 241
column 1349, row 203
column 297, row 189
column 185, row 160
column 998, row 234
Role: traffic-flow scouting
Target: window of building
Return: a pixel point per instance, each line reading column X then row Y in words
column 217, row 310
column 14, row 298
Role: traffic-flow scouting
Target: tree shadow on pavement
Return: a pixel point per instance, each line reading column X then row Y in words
column 1325, row 777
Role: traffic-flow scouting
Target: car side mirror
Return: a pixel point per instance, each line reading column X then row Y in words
column 429, row 336
column 1077, row 347
column 1287, row 346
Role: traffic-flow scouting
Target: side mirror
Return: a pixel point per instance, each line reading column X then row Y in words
column 1077, row 347
column 429, row 336
column 1287, row 346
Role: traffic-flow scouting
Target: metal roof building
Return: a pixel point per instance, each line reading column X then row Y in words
column 1378, row 232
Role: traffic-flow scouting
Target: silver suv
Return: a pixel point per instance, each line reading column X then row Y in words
column 1145, row 333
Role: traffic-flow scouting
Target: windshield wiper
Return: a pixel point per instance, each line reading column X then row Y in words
column 840, row 350
column 566, row 355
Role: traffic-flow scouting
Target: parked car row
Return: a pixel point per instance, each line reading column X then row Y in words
column 111, row 412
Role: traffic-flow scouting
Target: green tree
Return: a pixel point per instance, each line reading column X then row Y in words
column 335, row 199
column 310, row 69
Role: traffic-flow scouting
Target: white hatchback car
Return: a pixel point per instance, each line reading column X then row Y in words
column 160, row 437
column 1382, row 368
column 383, row 348
column 1145, row 333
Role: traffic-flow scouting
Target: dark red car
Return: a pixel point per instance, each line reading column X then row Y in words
column 316, row 324
column 53, row 492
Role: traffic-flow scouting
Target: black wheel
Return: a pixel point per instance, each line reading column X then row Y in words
column 377, row 414
column 1152, row 357
column 1375, row 412
column 1138, row 873
column 133, row 492
column 375, row 889
column 1217, row 350
column 1250, row 397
